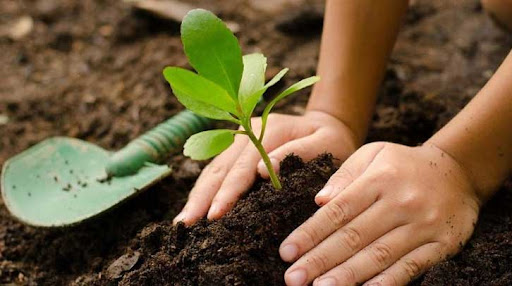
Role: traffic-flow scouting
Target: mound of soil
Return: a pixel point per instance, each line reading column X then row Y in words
column 239, row 249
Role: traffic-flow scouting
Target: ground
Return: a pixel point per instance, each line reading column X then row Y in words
column 92, row 69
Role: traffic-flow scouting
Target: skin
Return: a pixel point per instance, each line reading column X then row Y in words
column 398, row 210
column 391, row 211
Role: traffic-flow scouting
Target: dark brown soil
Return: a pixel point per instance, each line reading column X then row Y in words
column 91, row 69
column 242, row 247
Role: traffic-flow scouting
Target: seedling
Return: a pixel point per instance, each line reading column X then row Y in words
column 227, row 86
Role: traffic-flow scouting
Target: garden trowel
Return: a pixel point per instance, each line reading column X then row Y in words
column 63, row 181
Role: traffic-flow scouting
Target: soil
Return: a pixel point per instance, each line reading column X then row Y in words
column 92, row 69
column 242, row 247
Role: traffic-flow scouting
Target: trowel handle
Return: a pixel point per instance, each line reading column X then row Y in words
column 156, row 144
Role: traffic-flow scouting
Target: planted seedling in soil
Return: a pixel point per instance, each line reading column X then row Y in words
column 226, row 86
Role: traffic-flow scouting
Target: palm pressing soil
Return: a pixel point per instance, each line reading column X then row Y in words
column 92, row 69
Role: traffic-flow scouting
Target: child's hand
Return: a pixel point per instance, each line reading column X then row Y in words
column 388, row 214
column 231, row 173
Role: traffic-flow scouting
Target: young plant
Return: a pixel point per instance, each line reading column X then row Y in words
column 227, row 86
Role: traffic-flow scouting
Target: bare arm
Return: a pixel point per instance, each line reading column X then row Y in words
column 357, row 40
column 480, row 136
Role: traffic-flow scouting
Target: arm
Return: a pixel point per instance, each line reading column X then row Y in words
column 357, row 38
column 480, row 136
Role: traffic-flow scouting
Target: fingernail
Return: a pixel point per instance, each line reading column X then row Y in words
column 289, row 252
column 296, row 278
column 327, row 282
column 325, row 192
column 180, row 217
column 213, row 212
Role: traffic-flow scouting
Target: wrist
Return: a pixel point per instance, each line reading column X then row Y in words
column 457, row 169
column 483, row 188
column 356, row 132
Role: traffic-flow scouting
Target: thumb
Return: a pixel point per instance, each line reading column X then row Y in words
column 349, row 171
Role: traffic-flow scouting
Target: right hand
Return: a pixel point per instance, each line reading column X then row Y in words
column 233, row 172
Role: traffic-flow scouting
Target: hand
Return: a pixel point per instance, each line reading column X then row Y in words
column 389, row 213
column 232, row 172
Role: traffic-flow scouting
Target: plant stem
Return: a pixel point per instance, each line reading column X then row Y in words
column 266, row 159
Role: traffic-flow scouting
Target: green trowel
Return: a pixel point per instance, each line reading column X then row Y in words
column 63, row 181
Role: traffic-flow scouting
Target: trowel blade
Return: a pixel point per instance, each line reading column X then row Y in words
column 62, row 181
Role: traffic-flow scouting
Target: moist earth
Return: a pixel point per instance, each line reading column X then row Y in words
column 241, row 248
column 92, row 70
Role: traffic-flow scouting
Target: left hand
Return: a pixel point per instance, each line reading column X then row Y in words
column 389, row 213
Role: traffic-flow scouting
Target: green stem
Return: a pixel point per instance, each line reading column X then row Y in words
column 266, row 159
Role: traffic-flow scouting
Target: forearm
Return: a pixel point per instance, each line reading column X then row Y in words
column 480, row 136
column 357, row 39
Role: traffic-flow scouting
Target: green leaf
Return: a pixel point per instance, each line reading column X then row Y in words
column 205, row 110
column 252, row 100
column 294, row 88
column 199, row 94
column 253, row 79
column 276, row 78
column 207, row 144
column 212, row 49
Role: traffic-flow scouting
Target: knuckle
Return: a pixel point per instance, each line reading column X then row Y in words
column 241, row 166
column 214, row 170
column 412, row 267
column 337, row 212
column 351, row 238
column 381, row 254
column 195, row 196
column 320, row 261
column 307, row 235
column 387, row 171
column 411, row 200
column 432, row 217
column 347, row 274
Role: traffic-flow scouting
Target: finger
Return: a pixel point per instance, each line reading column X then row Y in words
column 209, row 182
column 306, row 147
column 350, row 170
column 376, row 257
column 329, row 218
column 243, row 174
column 410, row 266
column 302, row 145
column 343, row 244
column 237, row 181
